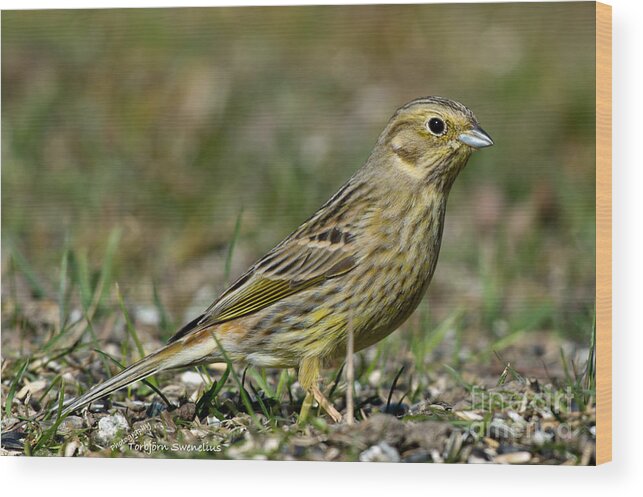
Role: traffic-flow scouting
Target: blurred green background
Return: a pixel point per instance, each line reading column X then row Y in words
column 171, row 125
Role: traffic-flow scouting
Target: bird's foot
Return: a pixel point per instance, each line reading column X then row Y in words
column 326, row 405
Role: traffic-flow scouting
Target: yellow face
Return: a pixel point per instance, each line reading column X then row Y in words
column 433, row 136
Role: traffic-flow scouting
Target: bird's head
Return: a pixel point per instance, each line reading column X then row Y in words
column 431, row 138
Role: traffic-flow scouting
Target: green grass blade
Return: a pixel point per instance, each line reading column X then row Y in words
column 164, row 321
column 56, row 379
column 80, row 269
column 63, row 289
column 284, row 380
column 458, row 378
column 106, row 271
column 14, row 386
column 242, row 391
column 21, row 263
column 205, row 401
column 131, row 329
column 48, row 434
column 262, row 382
column 231, row 246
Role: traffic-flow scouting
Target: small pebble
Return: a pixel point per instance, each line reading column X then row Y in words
column 417, row 456
column 382, row 452
column 213, row 421
column 109, row 427
column 515, row 417
column 332, row 453
column 513, row 458
column 98, row 407
column 13, row 440
column 156, row 407
column 136, row 405
column 8, row 422
column 192, row 378
column 468, row 415
column 187, row 411
column 72, row 448
column 540, row 437
column 476, row 459
column 271, row 445
column 148, row 315
column 375, row 378
column 69, row 425
column 31, row 388
column 396, row 409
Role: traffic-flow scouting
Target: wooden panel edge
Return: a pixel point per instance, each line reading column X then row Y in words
column 603, row 233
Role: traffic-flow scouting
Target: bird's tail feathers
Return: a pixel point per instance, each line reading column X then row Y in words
column 173, row 355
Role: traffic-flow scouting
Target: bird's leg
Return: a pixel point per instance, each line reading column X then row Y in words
column 308, row 377
column 305, row 407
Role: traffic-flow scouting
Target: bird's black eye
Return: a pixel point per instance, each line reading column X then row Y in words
column 436, row 126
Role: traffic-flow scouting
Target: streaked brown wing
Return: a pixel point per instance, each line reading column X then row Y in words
column 296, row 264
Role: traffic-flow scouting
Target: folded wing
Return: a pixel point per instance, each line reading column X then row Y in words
column 299, row 262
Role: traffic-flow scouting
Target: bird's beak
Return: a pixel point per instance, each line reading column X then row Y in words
column 476, row 138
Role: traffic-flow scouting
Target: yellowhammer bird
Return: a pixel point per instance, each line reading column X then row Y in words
column 363, row 260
